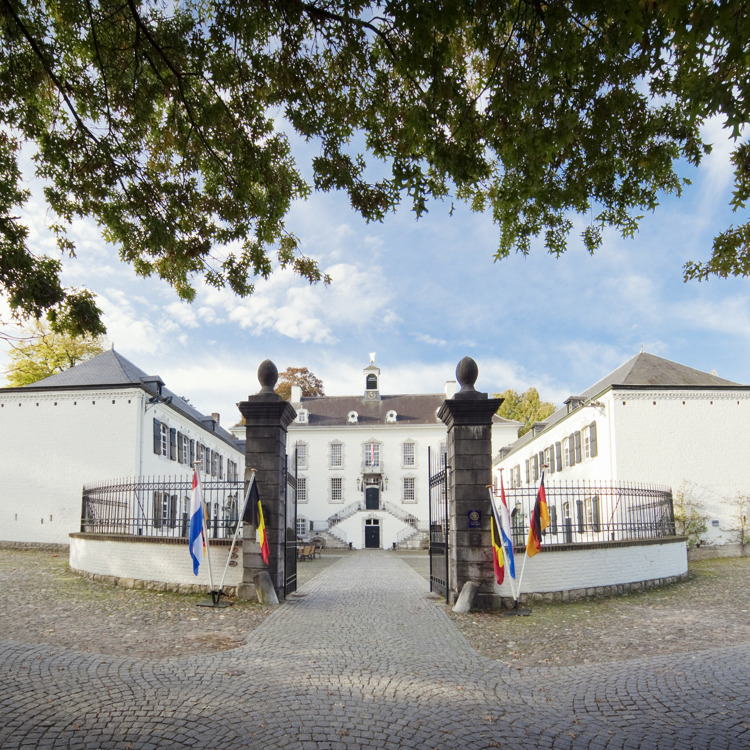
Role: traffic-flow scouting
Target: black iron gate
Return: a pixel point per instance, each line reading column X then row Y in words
column 438, row 483
column 290, row 536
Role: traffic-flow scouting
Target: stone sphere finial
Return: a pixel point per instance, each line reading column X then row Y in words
column 268, row 376
column 467, row 373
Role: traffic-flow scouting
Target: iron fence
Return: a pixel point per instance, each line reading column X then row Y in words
column 159, row 507
column 589, row 512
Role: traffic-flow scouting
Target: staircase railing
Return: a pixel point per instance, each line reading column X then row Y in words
column 346, row 512
column 401, row 514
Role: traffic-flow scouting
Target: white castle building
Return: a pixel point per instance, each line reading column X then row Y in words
column 650, row 421
column 362, row 463
column 102, row 420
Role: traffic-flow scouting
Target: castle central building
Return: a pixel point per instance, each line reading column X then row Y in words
column 362, row 463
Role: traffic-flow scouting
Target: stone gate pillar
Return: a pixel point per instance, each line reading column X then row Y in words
column 267, row 417
column 468, row 417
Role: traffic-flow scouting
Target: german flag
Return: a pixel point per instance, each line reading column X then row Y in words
column 539, row 520
column 497, row 546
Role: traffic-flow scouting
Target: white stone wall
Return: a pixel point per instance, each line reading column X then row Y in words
column 689, row 440
column 52, row 444
column 354, row 437
column 135, row 560
column 692, row 441
column 590, row 569
column 318, row 473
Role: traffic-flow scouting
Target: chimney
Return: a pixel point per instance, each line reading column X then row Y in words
column 450, row 388
column 296, row 396
column 215, row 417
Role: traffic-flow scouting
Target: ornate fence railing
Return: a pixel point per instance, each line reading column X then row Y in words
column 158, row 507
column 589, row 512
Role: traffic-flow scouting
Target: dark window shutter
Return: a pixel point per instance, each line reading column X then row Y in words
column 592, row 439
column 581, row 522
column 157, row 510
column 172, row 443
column 173, row 511
column 180, row 450
column 578, row 447
column 558, row 456
column 221, row 467
column 553, row 520
column 572, row 450
column 192, row 452
column 595, row 502
column 157, row 436
column 534, row 468
column 528, row 475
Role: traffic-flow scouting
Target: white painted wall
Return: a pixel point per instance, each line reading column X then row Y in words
column 151, row 561
column 354, row 437
column 695, row 440
column 587, row 568
column 51, row 444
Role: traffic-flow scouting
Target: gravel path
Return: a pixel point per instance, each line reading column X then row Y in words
column 46, row 604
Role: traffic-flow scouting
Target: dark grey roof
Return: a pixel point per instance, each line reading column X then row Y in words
column 649, row 370
column 325, row 411
column 642, row 371
column 111, row 370
column 107, row 368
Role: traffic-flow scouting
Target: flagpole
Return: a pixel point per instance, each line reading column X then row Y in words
column 197, row 465
column 502, row 541
column 238, row 529
column 526, row 551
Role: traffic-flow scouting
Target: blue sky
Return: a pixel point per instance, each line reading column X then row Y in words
column 423, row 294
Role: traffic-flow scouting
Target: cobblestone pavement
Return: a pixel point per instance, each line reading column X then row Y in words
column 364, row 657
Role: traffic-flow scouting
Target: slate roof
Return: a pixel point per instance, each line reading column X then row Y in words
column 111, row 370
column 332, row 411
column 642, row 371
column 649, row 370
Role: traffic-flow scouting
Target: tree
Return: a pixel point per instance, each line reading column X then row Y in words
column 524, row 407
column 45, row 352
column 170, row 124
column 740, row 510
column 689, row 515
column 301, row 376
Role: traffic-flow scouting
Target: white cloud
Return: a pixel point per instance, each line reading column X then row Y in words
column 129, row 327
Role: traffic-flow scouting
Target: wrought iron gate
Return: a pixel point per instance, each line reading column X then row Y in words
column 438, row 484
column 290, row 535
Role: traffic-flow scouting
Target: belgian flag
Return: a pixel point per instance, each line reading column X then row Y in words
column 497, row 545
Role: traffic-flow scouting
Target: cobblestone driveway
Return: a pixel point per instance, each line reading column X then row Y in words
column 363, row 657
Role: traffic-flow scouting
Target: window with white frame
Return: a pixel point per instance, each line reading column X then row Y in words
column 164, row 440
column 566, row 453
column 184, row 448
column 408, row 454
column 301, row 527
column 409, row 494
column 301, row 489
column 372, row 455
column 301, row 455
column 337, row 490
column 586, row 442
column 336, row 456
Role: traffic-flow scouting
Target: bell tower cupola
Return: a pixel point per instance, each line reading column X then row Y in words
column 372, row 380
